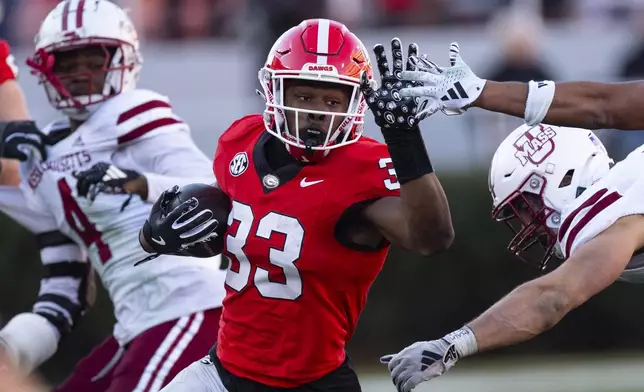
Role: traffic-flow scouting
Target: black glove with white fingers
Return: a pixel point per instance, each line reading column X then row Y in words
column 103, row 178
column 174, row 226
column 390, row 109
column 21, row 140
column 448, row 89
column 396, row 115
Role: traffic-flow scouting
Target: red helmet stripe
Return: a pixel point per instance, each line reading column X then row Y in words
column 79, row 14
column 65, row 15
column 323, row 40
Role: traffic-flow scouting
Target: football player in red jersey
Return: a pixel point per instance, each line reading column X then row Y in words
column 12, row 108
column 12, row 100
column 314, row 209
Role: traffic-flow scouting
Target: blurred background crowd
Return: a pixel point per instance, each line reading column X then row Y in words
column 190, row 19
column 204, row 54
column 520, row 39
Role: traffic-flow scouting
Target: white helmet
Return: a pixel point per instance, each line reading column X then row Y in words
column 79, row 24
column 535, row 173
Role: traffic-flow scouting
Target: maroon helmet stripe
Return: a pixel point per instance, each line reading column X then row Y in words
column 593, row 212
column 65, row 15
column 79, row 14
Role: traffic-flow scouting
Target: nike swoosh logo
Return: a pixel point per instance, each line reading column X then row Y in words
column 305, row 183
column 160, row 241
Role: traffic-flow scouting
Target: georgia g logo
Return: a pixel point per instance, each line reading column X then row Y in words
column 238, row 164
column 535, row 145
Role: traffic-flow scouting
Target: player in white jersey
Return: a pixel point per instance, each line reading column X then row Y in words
column 86, row 190
column 558, row 190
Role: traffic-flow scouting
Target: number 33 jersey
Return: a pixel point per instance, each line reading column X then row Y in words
column 294, row 291
column 108, row 227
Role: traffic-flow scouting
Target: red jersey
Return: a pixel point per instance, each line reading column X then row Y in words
column 294, row 292
column 8, row 69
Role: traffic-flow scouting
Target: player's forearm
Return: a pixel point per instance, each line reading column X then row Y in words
column 424, row 205
column 526, row 312
column 428, row 215
column 503, row 97
column 13, row 106
column 576, row 104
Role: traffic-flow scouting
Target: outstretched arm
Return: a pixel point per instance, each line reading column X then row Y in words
column 588, row 105
column 529, row 310
column 538, row 305
column 576, row 104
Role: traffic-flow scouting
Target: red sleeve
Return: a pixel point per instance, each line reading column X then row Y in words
column 8, row 68
column 230, row 144
column 377, row 174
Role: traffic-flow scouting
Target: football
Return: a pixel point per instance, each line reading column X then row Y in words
column 216, row 201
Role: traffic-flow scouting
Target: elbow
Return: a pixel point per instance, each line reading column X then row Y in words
column 554, row 303
column 434, row 241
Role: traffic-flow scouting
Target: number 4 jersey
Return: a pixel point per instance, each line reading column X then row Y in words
column 295, row 288
column 138, row 131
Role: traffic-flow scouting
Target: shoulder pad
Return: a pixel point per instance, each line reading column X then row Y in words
column 140, row 113
column 617, row 194
column 242, row 127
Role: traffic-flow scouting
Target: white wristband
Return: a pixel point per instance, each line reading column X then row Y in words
column 29, row 340
column 464, row 341
column 540, row 95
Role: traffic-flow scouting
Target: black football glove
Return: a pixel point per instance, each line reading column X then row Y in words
column 389, row 108
column 22, row 139
column 174, row 230
column 103, row 178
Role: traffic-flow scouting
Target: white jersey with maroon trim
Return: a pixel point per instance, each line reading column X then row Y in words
column 619, row 193
column 61, row 298
column 136, row 130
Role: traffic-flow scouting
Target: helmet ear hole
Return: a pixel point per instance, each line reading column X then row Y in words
column 567, row 178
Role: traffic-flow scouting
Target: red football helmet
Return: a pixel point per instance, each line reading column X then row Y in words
column 319, row 50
